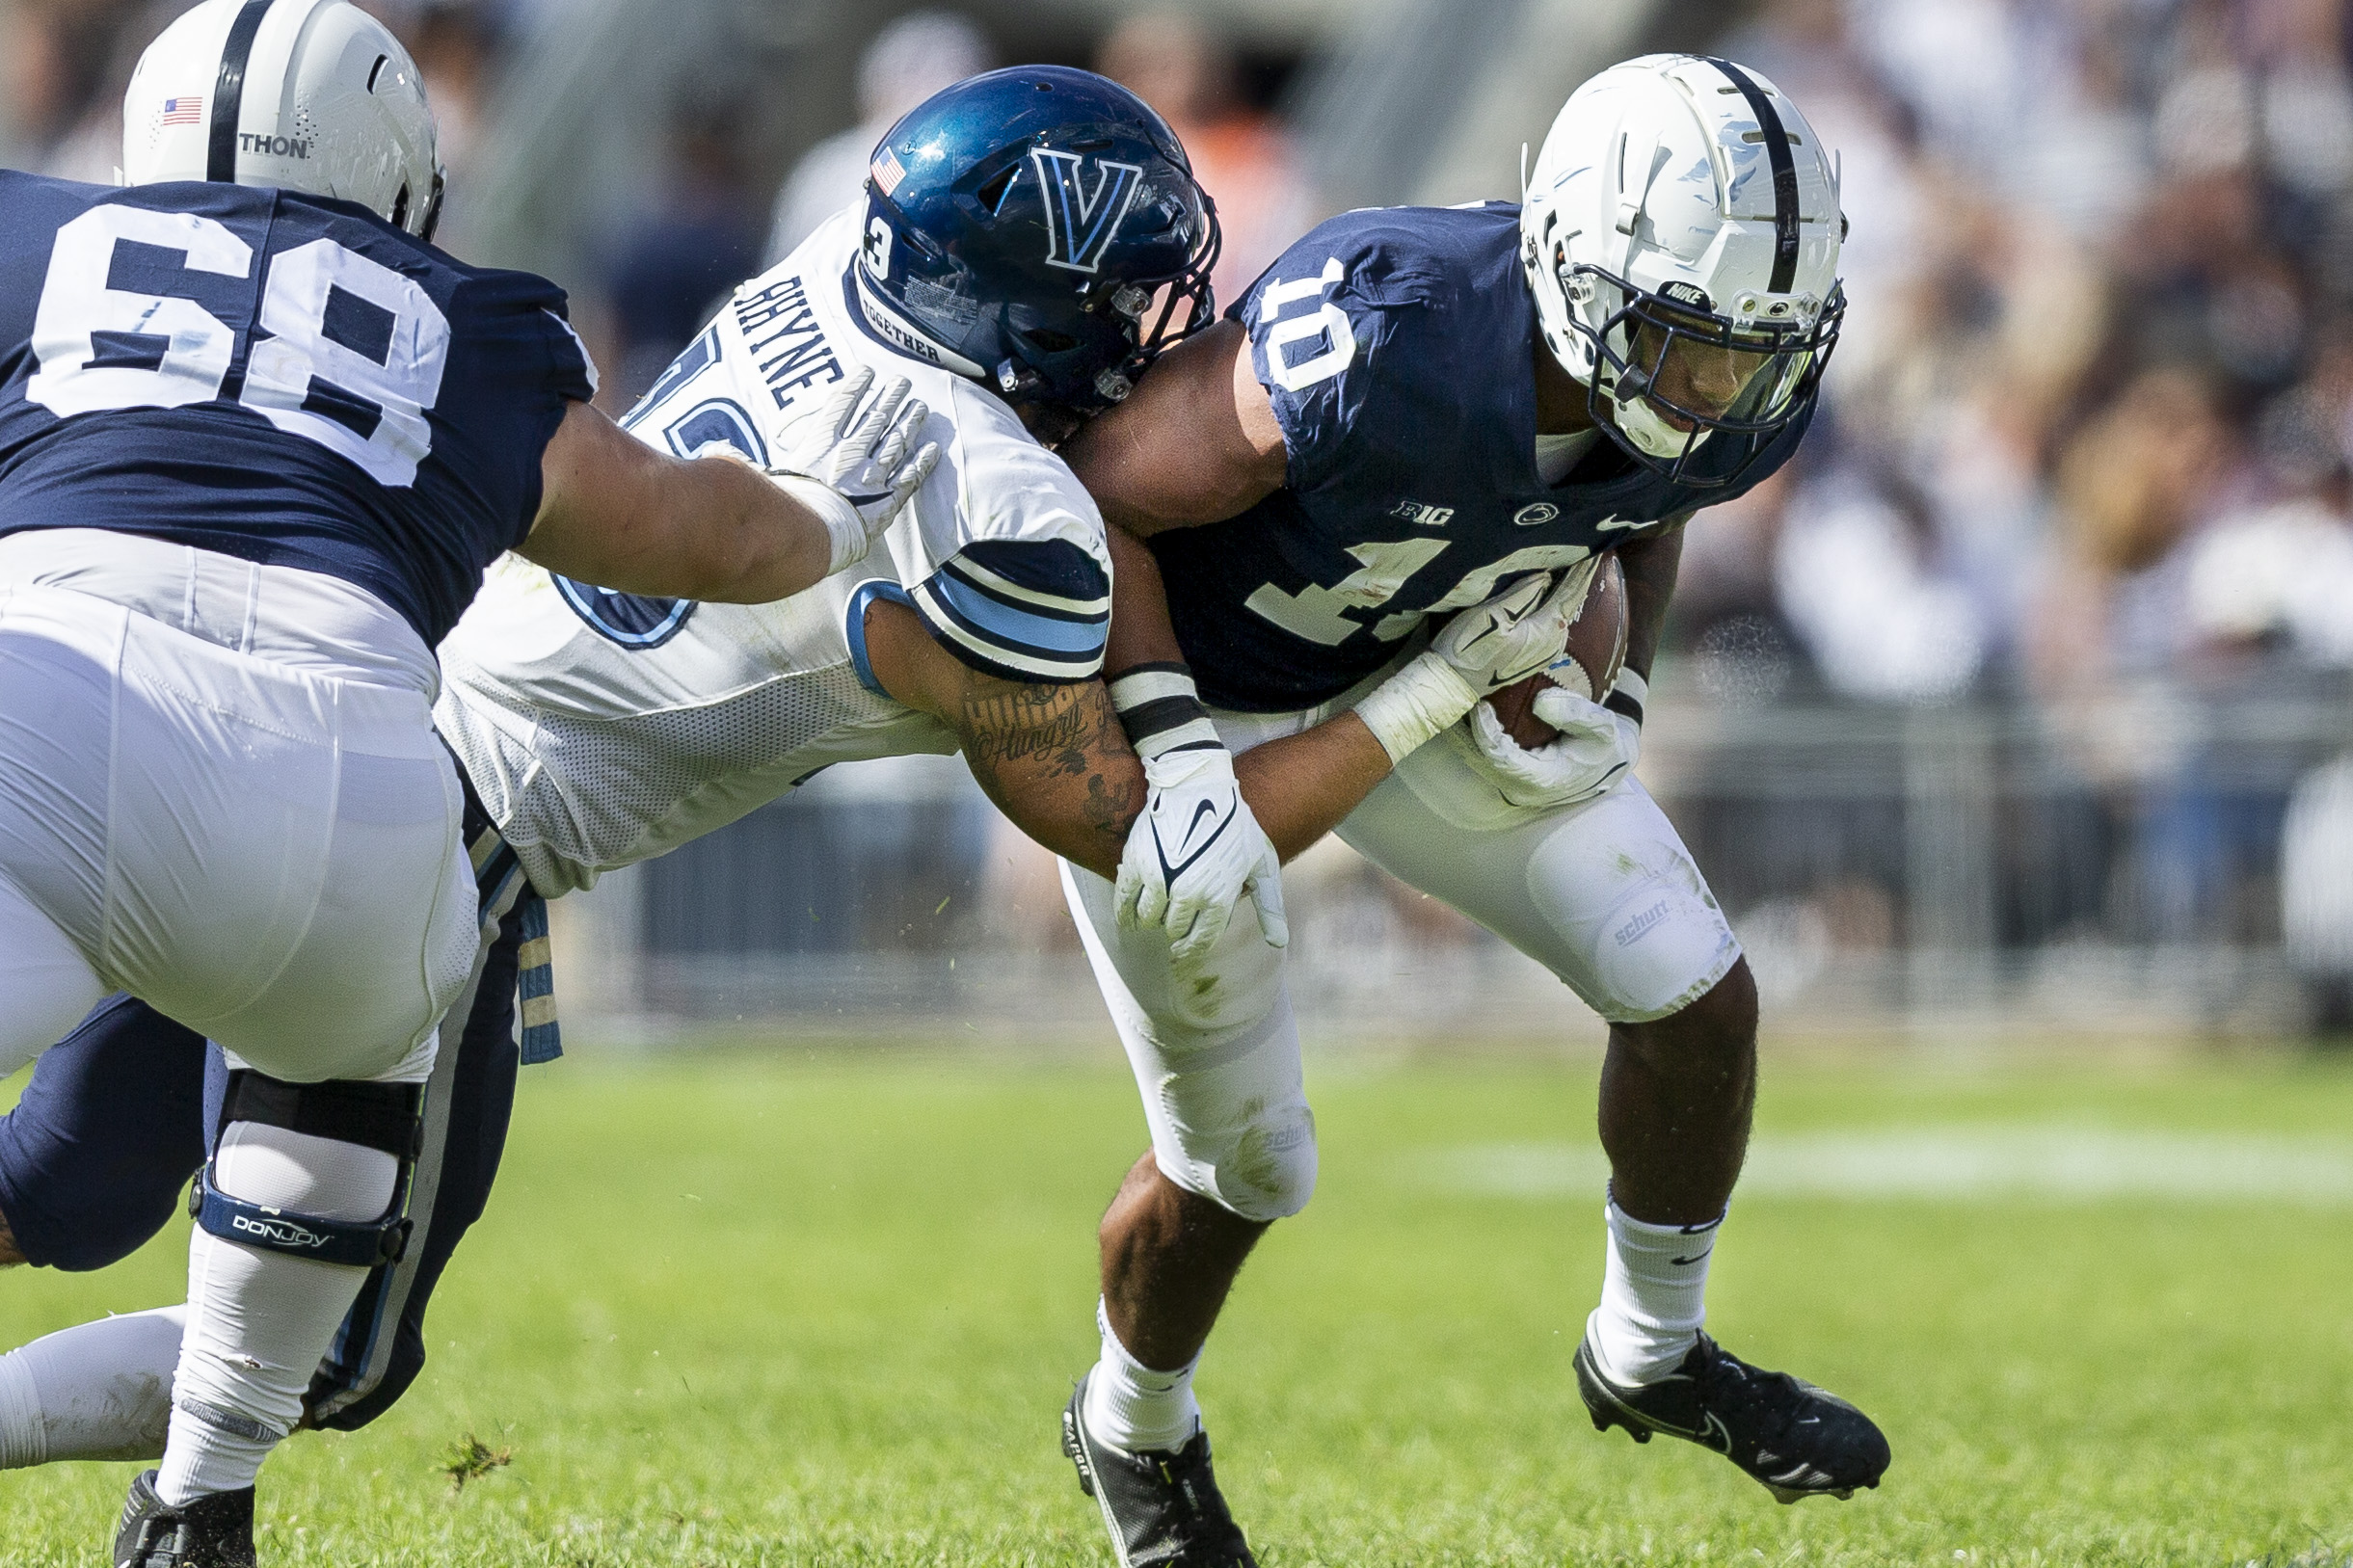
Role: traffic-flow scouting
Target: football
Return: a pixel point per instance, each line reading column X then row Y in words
column 1596, row 647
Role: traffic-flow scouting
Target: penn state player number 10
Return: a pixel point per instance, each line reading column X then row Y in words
column 352, row 358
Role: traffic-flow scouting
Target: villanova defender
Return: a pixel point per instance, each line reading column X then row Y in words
column 1408, row 408
column 597, row 730
column 257, row 442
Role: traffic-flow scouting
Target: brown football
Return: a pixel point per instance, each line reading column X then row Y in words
column 1596, row 647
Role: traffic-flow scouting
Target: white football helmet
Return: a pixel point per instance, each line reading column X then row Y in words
column 1681, row 231
column 310, row 95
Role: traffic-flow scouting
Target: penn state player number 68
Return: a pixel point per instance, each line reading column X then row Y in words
column 143, row 309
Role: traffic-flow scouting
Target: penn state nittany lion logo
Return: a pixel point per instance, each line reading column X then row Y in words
column 1080, row 221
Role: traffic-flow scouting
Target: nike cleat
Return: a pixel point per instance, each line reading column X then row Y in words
column 215, row 1531
column 1795, row 1439
column 1163, row 1510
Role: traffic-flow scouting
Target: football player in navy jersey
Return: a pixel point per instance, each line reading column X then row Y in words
column 1408, row 409
column 259, row 441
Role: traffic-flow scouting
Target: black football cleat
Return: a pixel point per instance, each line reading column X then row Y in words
column 215, row 1531
column 1792, row 1437
column 1163, row 1510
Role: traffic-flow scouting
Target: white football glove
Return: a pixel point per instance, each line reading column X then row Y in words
column 1195, row 852
column 1595, row 748
column 858, row 470
column 1483, row 649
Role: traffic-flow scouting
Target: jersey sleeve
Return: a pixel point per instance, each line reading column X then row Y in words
column 1029, row 610
column 515, row 368
column 1319, row 320
column 1023, row 585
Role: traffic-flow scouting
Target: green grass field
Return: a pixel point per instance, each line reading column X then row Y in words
column 755, row 1309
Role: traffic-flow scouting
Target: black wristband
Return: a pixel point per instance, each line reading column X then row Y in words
column 1162, row 711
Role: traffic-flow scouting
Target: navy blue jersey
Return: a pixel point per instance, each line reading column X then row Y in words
column 1397, row 345
column 281, row 378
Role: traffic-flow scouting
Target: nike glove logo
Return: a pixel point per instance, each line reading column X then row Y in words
column 1169, row 874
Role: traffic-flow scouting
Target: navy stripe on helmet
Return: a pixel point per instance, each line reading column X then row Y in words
column 228, row 94
column 1784, row 175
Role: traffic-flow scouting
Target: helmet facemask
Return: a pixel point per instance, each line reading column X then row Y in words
column 1668, row 375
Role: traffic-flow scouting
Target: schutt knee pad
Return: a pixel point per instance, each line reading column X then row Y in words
column 1262, row 1168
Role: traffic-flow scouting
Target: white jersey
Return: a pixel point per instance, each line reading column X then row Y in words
column 605, row 728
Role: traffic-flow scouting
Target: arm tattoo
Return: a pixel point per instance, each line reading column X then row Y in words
column 1018, row 738
column 1111, row 808
column 1007, row 723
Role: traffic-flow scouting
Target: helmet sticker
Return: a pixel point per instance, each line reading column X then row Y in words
column 1081, row 222
column 1784, row 175
column 229, row 102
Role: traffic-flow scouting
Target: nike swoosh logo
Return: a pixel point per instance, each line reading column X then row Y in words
column 1679, row 1261
column 1493, row 626
column 1169, row 874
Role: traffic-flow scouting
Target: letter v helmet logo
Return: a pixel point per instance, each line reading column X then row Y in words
column 1082, row 222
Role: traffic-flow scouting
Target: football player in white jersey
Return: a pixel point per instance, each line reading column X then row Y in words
column 596, row 729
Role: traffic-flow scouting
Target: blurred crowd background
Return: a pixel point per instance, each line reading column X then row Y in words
column 2025, row 692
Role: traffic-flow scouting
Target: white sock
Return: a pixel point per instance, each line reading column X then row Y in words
column 1132, row 1407
column 1653, row 1297
column 259, row 1322
column 96, row 1391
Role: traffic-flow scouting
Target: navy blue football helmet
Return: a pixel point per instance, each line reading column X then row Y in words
column 1021, row 226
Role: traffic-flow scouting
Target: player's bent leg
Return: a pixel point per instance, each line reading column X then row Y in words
column 46, row 981
column 1606, row 896
column 1676, row 1097
column 100, row 1390
column 49, row 984
column 380, row 1351
column 1215, row 1049
column 303, row 1195
column 95, row 1155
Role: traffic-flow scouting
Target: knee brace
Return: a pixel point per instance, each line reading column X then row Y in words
column 384, row 1117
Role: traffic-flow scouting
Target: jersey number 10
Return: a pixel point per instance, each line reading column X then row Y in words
column 349, row 353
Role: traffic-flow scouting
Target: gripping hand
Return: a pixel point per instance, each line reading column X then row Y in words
column 858, row 467
column 1483, row 649
column 1196, row 850
column 1596, row 747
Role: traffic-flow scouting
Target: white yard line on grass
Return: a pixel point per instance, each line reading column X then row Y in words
column 2053, row 1162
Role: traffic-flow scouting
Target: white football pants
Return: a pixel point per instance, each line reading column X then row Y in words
column 220, row 790
column 1603, row 895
